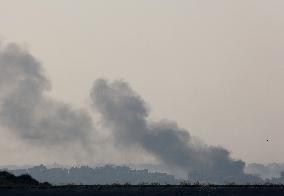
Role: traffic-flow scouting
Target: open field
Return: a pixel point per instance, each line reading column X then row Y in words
column 141, row 190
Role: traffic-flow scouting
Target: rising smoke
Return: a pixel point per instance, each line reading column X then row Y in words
column 36, row 118
column 125, row 113
column 28, row 111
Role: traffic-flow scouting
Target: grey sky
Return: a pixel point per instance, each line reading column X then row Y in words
column 215, row 67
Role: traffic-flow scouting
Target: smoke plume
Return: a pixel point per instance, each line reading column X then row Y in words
column 125, row 113
column 26, row 110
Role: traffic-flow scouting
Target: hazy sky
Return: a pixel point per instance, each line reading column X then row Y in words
column 215, row 67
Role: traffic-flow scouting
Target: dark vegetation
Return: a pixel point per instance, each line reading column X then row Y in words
column 149, row 190
column 9, row 180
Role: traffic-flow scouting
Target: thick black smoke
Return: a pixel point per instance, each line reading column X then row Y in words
column 25, row 109
column 125, row 112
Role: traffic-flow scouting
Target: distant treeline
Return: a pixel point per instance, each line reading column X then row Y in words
column 110, row 174
column 101, row 175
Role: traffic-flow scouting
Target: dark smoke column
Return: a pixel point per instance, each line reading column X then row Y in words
column 26, row 110
column 125, row 113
